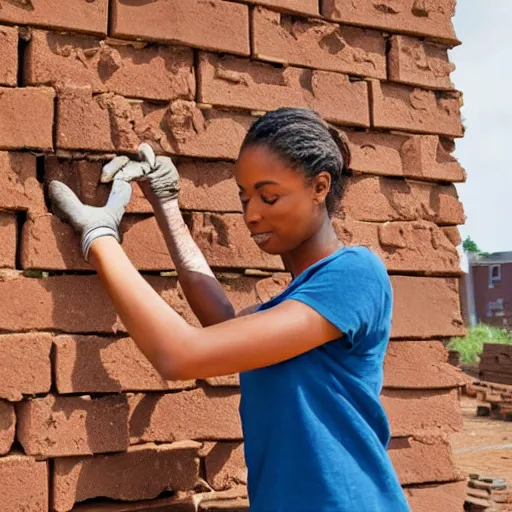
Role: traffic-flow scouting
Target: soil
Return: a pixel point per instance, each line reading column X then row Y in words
column 485, row 444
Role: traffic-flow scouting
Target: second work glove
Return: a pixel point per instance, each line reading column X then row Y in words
column 91, row 222
column 159, row 172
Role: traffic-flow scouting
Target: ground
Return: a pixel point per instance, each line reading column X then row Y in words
column 485, row 445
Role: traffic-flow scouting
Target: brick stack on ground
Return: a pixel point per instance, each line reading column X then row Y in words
column 83, row 416
column 496, row 363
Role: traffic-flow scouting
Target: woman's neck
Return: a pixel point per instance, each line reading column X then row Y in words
column 322, row 244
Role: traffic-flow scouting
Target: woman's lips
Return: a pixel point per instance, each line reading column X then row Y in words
column 261, row 238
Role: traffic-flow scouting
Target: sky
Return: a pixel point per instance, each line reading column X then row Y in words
column 484, row 75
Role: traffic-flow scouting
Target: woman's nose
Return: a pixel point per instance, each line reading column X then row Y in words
column 252, row 214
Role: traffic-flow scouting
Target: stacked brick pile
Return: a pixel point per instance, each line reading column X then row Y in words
column 83, row 416
column 496, row 363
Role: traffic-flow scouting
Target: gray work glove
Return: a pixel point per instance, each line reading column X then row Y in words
column 89, row 221
column 159, row 172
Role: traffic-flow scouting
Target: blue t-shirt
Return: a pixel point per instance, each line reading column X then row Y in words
column 314, row 429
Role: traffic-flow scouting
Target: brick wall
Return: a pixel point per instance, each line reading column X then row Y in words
column 83, row 416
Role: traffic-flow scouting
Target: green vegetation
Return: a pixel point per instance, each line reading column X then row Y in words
column 472, row 345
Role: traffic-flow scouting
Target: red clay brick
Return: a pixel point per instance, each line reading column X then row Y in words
column 402, row 107
column 225, row 465
column 19, row 188
column 417, row 246
column 30, row 351
column 376, row 199
column 420, row 157
column 318, row 44
column 23, row 484
column 82, row 121
column 26, row 118
column 422, row 459
column 418, row 62
column 419, row 365
column 432, row 19
column 426, row 307
column 7, row 427
column 91, row 364
column 8, row 234
column 437, row 498
column 70, row 15
column 225, row 241
column 154, row 72
column 196, row 414
column 45, row 304
column 119, row 124
column 295, row 6
column 453, row 234
column 125, row 476
column 56, row 426
column 411, row 411
column 8, row 55
column 234, row 82
column 208, row 186
column 227, row 505
column 217, row 25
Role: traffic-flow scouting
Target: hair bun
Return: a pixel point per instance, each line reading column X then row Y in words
column 342, row 142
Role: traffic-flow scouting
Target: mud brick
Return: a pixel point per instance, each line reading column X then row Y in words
column 8, row 55
column 296, row 6
column 426, row 307
column 225, row 465
column 26, row 118
column 196, row 414
column 421, row 157
column 125, row 476
column 156, row 72
column 45, row 304
column 19, row 188
column 419, row 365
column 402, row 107
column 218, row 25
column 7, row 427
column 431, row 19
column 234, row 82
column 377, row 199
column 8, row 235
column 31, row 352
column 120, row 124
column 418, row 62
column 92, row 364
column 410, row 411
column 23, row 484
column 418, row 246
column 437, row 497
column 317, row 44
column 422, row 458
column 74, row 15
column 56, row 426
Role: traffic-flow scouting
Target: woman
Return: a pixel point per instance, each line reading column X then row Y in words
column 311, row 358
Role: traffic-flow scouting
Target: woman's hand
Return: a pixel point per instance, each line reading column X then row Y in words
column 158, row 172
column 88, row 221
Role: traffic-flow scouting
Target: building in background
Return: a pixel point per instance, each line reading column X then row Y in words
column 486, row 289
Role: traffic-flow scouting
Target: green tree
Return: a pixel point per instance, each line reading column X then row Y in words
column 469, row 245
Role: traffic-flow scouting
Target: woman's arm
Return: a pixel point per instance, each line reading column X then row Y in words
column 203, row 292
column 180, row 351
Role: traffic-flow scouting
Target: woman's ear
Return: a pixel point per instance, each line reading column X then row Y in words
column 321, row 186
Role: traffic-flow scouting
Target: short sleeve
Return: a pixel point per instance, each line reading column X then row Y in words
column 352, row 292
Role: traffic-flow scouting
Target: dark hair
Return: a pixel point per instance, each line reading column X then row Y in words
column 303, row 139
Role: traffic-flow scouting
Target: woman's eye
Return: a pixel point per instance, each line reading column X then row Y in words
column 269, row 200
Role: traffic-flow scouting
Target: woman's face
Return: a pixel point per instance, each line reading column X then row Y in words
column 280, row 207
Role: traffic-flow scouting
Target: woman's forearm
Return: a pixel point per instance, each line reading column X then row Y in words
column 202, row 290
column 146, row 316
